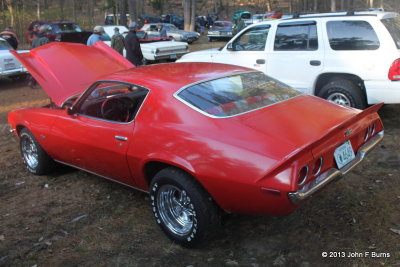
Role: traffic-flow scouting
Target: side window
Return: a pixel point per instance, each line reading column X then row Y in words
column 298, row 36
column 117, row 102
column 352, row 35
column 253, row 39
column 153, row 27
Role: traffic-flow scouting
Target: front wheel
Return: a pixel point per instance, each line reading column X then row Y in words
column 37, row 161
column 182, row 208
column 343, row 92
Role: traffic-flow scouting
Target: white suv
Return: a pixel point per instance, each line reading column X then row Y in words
column 349, row 58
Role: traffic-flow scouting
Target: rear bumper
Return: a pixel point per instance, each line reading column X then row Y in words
column 170, row 55
column 11, row 72
column 333, row 174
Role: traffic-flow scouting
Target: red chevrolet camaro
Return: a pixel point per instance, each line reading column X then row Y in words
column 201, row 138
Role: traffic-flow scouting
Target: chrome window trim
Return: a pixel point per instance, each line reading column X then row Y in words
column 224, row 76
column 91, row 88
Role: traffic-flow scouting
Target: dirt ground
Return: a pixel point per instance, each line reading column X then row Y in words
column 72, row 218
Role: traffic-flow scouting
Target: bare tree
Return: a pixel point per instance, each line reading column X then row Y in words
column 333, row 5
column 133, row 10
column 122, row 12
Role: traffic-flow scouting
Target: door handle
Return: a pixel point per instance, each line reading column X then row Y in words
column 315, row 63
column 121, row 138
column 260, row 61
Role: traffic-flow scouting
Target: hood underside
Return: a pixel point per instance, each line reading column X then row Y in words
column 67, row 69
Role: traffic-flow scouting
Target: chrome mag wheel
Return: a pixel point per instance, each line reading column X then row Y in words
column 29, row 151
column 176, row 209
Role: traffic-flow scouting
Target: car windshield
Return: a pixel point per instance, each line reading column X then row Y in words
column 393, row 26
column 237, row 94
column 170, row 27
column 4, row 45
column 65, row 27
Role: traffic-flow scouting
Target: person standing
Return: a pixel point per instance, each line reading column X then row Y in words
column 162, row 30
column 95, row 36
column 42, row 38
column 10, row 37
column 132, row 46
column 118, row 41
column 33, row 33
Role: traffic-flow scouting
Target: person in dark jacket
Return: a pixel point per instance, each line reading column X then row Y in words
column 10, row 37
column 132, row 46
column 42, row 38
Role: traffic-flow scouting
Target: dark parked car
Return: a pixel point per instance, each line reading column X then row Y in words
column 173, row 19
column 61, row 31
column 220, row 30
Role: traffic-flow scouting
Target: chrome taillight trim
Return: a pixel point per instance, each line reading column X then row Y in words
column 321, row 163
column 367, row 133
column 303, row 179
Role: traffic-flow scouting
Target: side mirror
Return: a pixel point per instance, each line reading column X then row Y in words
column 71, row 110
column 229, row 47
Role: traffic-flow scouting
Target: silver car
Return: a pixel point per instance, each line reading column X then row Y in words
column 172, row 31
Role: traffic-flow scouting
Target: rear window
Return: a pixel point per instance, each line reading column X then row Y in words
column 237, row 94
column 65, row 27
column 298, row 36
column 393, row 26
column 352, row 35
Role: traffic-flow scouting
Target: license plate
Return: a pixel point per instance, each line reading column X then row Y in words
column 172, row 56
column 9, row 66
column 344, row 154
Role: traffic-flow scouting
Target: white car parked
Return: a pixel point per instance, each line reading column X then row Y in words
column 153, row 49
column 350, row 58
column 9, row 65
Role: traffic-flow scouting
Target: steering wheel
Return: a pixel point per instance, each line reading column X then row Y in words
column 115, row 109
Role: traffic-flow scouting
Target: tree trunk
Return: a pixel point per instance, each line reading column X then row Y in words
column 269, row 5
column 315, row 7
column 38, row 9
column 333, row 5
column 186, row 14
column 122, row 12
column 62, row 9
column 133, row 10
column 192, row 15
column 371, row 3
column 11, row 11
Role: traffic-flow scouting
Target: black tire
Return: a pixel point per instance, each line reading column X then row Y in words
column 343, row 92
column 37, row 161
column 182, row 208
column 210, row 39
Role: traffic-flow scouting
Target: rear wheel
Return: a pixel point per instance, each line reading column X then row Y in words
column 343, row 92
column 182, row 208
column 210, row 39
column 37, row 161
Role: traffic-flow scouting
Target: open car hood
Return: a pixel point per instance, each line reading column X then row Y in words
column 67, row 69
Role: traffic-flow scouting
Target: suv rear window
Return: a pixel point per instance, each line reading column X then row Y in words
column 352, row 35
column 237, row 94
column 393, row 26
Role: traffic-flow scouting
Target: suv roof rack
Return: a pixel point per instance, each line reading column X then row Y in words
column 333, row 14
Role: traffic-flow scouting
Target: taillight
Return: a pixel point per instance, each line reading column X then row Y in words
column 302, row 176
column 373, row 128
column 394, row 71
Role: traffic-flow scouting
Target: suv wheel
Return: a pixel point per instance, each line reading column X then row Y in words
column 343, row 92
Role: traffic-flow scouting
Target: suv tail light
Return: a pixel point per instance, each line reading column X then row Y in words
column 394, row 71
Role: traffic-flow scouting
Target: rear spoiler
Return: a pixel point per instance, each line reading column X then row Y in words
column 309, row 147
